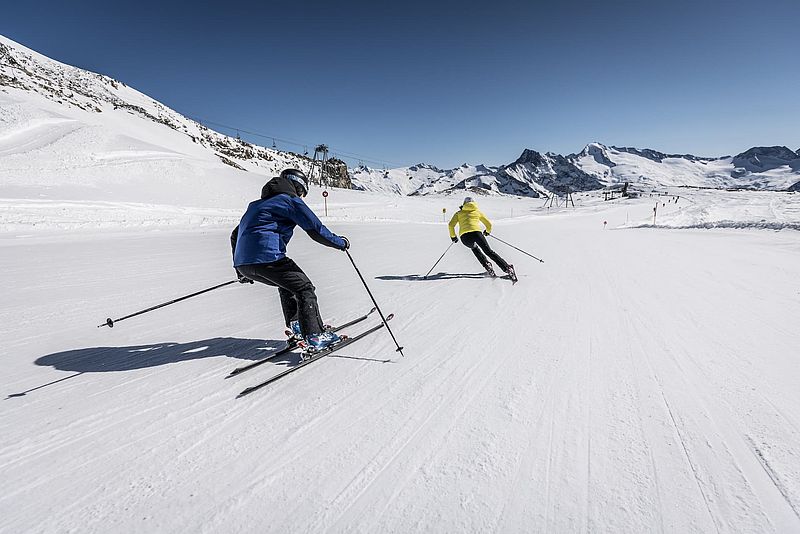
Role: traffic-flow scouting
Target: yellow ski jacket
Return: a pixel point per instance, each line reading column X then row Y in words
column 468, row 219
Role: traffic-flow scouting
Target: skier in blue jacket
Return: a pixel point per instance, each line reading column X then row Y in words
column 259, row 253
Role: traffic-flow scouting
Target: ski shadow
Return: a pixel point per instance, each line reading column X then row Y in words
column 108, row 359
column 437, row 276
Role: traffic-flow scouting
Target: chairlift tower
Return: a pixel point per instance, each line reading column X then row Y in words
column 568, row 197
column 320, row 174
column 554, row 197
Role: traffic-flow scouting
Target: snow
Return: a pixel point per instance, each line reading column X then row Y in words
column 608, row 165
column 638, row 380
column 642, row 379
column 678, row 172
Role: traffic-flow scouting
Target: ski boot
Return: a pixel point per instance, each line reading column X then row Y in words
column 320, row 342
column 511, row 273
column 294, row 335
column 490, row 270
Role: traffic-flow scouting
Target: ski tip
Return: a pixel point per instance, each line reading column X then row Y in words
column 243, row 393
column 372, row 310
column 390, row 316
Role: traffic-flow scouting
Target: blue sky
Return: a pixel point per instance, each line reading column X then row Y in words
column 443, row 83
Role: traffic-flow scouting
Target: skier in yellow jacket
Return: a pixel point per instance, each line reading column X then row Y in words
column 469, row 219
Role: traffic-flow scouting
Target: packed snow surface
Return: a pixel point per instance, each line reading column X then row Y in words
column 638, row 380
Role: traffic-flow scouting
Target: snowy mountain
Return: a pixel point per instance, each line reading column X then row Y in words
column 75, row 124
column 760, row 168
column 74, row 120
column 533, row 174
column 595, row 167
column 761, row 159
column 552, row 172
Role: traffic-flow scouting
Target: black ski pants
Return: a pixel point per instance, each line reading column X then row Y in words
column 298, row 300
column 477, row 243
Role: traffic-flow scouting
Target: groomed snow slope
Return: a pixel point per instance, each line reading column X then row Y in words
column 640, row 380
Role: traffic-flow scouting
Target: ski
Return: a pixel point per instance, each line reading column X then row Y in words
column 315, row 356
column 290, row 348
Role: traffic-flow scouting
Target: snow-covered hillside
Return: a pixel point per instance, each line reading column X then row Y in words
column 531, row 175
column 534, row 174
column 760, row 168
column 76, row 125
column 75, row 122
column 596, row 166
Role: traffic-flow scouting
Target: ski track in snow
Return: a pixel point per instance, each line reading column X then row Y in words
column 709, row 483
column 638, row 381
column 36, row 135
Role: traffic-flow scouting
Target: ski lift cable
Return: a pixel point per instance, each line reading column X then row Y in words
column 294, row 142
column 265, row 136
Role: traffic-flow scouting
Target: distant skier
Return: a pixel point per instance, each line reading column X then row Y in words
column 259, row 253
column 469, row 219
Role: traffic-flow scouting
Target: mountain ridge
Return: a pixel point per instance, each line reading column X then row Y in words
column 27, row 70
column 532, row 174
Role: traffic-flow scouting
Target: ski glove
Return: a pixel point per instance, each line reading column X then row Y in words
column 454, row 239
column 346, row 242
column 486, row 232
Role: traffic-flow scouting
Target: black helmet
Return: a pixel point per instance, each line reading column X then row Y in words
column 299, row 178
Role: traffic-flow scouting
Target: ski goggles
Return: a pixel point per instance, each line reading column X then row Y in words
column 299, row 180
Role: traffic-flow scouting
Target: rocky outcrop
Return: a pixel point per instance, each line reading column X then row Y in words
column 765, row 158
column 337, row 173
column 597, row 152
column 552, row 172
column 657, row 156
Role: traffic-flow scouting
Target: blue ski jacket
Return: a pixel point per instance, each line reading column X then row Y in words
column 267, row 226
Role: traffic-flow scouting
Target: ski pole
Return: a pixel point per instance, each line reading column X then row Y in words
column 440, row 259
column 512, row 246
column 399, row 348
column 110, row 322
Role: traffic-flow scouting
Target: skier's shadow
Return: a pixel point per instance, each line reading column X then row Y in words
column 431, row 277
column 106, row 359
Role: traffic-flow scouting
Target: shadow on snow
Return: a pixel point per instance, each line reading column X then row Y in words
column 105, row 359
